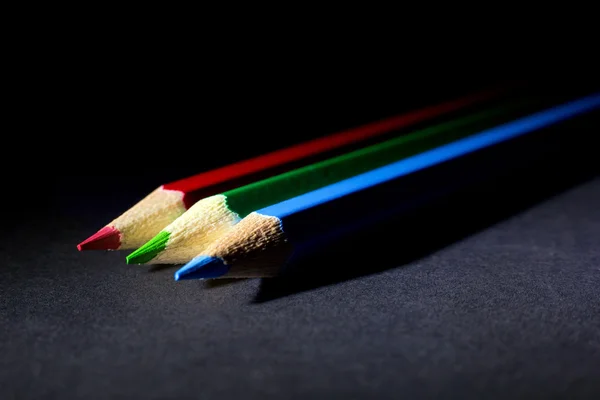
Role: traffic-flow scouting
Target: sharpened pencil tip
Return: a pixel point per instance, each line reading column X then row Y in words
column 107, row 238
column 150, row 249
column 202, row 267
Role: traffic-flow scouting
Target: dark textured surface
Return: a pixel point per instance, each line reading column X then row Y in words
column 503, row 302
column 513, row 310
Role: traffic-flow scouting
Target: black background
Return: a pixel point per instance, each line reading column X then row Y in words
column 501, row 302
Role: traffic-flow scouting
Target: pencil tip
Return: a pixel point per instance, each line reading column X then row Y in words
column 150, row 249
column 107, row 238
column 202, row 267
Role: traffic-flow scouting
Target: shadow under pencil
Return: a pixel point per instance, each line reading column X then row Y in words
column 216, row 283
column 208, row 284
column 161, row 267
column 416, row 234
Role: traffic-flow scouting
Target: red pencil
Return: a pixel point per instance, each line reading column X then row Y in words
column 161, row 207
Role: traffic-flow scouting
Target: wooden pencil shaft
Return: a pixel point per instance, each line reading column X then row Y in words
column 212, row 217
column 460, row 148
column 145, row 219
column 193, row 195
column 312, row 219
column 404, row 237
column 314, row 227
column 245, row 171
column 310, row 226
column 308, row 232
column 245, row 199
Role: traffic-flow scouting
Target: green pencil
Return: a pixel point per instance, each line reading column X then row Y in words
column 212, row 217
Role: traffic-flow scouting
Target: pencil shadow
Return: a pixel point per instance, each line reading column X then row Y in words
column 407, row 238
column 208, row 284
column 161, row 267
column 216, row 283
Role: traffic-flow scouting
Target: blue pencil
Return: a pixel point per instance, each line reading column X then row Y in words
column 263, row 242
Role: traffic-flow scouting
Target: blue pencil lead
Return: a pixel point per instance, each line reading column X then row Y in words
column 202, row 267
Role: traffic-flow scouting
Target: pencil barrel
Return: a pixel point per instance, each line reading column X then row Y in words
column 333, row 221
column 260, row 194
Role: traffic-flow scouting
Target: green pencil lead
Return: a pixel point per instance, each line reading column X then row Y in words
column 149, row 250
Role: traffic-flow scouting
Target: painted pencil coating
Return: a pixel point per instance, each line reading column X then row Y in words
column 145, row 219
column 460, row 147
column 211, row 217
column 211, row 267
column 251, row 240
column 324, row 144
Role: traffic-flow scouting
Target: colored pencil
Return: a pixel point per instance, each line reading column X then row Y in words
column 267, row 239
column 145, row 219
column 211, row 217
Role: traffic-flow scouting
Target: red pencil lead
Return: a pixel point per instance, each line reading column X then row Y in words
column 107, row 238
